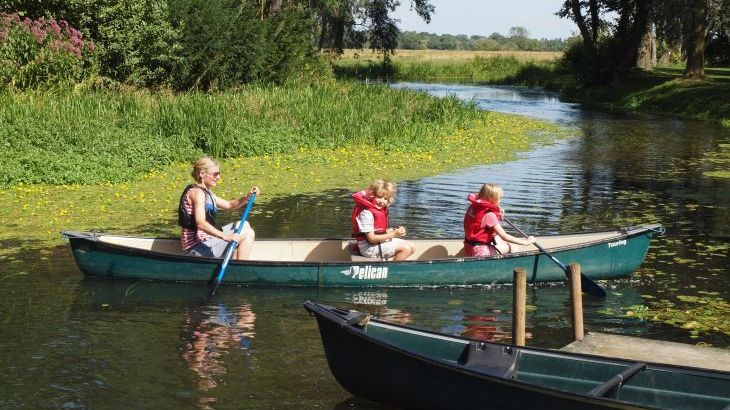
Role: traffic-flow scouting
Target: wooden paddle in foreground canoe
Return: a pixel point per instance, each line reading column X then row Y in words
column 586, row 284
column 328, row 262
column 416, row 369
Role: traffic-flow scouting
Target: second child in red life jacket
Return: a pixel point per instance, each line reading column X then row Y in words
column 370, row 224
column 482, row 227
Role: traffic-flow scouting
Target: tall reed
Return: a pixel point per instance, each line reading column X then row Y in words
column 95, row 137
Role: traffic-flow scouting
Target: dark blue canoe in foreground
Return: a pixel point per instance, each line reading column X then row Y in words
column 415, row 369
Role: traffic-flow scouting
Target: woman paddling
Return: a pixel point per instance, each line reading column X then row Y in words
column 482, row 227
column 197, row 211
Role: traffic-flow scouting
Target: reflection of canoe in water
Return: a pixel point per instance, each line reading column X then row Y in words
column 327, row 262
column 411, row 368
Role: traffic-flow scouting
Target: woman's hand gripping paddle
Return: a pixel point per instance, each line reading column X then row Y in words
column 231, row 248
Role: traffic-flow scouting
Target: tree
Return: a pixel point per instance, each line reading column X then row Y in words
column 609, row 59
column 519, row 32
column 690, row 23
column 370, row 20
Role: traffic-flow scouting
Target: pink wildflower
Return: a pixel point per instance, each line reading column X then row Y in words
column 56, row 29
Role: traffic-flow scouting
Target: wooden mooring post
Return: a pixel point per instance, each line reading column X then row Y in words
column 519, row 291
column 576, row 300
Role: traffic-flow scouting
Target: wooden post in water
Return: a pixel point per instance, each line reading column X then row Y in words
column 518, row 306
column 576, row 300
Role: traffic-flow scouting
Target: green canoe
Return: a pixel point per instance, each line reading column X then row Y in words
column 328, row 263
column 415, row 369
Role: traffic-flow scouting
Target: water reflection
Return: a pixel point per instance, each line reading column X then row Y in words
column 209, row 334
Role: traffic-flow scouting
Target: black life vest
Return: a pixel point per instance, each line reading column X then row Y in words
column 187, row 220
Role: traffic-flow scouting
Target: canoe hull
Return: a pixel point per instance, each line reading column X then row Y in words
column 384, row 375
column 604, row 260
column 414, row 369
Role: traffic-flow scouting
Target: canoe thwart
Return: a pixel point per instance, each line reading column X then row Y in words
column 613, row 385
column 490, row 359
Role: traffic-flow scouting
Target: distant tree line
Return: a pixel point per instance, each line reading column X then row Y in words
column 517, row 39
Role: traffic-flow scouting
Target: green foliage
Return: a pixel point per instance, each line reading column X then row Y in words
column 592, row 65
column 136, row 41
column 139, row 45
column 42, row 53
column 95, row 137
column 227, row 44
column 191, row 44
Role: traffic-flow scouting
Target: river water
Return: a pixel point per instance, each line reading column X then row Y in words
column 88, row 344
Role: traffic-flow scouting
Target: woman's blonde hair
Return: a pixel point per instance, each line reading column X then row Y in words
column 203, row 164
column 492, row 192
column 383, row 189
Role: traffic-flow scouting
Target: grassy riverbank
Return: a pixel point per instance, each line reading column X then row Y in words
column 119, row 162
column 114, row 137
column 662, row 90
column 457, row 66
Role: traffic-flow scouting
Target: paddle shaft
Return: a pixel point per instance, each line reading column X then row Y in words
column 587, row 284
column 537, row 245
column 231, row 247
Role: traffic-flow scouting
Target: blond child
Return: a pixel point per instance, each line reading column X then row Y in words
column 482, row 227
column 370, row 224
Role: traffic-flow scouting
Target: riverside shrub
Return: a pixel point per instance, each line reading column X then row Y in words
column 42, row 53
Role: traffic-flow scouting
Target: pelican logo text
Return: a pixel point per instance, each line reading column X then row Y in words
column 617, row 243
column 367, row 272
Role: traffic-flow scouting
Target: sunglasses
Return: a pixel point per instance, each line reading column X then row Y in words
column 215, row 174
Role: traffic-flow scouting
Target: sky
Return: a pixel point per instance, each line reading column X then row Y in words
column 484, row 17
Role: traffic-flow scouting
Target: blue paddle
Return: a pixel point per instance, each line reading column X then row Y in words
column 586, row 284
column 231, row 248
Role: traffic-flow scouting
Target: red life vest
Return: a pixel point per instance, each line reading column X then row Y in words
column 380, row 216
column 473, row 232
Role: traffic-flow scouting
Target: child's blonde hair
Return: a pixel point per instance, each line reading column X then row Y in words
column 383, row 189
column 203, row 164
column 491, row 192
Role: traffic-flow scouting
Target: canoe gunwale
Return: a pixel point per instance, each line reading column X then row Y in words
column 356, row 330
column 353, row 327
column 96, row 238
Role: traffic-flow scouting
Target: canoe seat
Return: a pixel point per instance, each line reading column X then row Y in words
column 611, row 387
column 490, row 359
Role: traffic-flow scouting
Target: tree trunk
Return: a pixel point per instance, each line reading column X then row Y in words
column 274, row 7
column 324, row 32
column 595, row 22
column 582, row 26
column 695, row 44
column 634, row 33
column 338, row 33
column 647, row 51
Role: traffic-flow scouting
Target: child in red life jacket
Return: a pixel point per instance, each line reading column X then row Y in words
column 370, row 224
column 482, row 227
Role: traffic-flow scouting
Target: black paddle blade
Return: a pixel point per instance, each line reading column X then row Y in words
column 590, row 287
